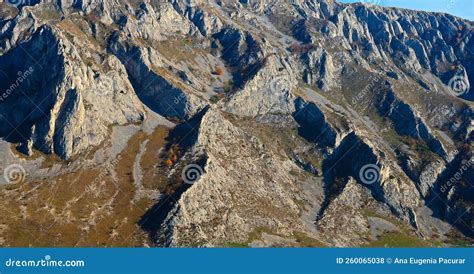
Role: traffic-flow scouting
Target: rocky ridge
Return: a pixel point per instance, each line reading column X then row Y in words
column 282, row 105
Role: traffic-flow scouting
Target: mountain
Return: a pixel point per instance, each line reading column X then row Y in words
column 234, row 123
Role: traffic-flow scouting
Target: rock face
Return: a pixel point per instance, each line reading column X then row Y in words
column 311, row 122
column 68, row 109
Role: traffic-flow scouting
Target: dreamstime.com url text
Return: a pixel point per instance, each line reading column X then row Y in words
column 45, row 262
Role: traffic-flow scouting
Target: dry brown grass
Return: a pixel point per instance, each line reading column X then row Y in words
column 151, row 160
column 86, row 208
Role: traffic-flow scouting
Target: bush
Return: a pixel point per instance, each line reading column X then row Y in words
column 218, row 71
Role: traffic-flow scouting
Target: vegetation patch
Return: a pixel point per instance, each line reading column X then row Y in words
column 398, row 239
column 304, row 240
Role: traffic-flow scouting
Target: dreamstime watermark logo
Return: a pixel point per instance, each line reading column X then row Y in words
column 458, row 175
column 459, row 85
column 22, row 76
column 180, row 98
column 369, row 174
column 192, row 173
column 105, row 171
column 371, row 2
column 440, row 117
column 97, row 186
column 450, row 4
column 362, row 94
column 17, row 3
column 14, row 174
column 195, row 3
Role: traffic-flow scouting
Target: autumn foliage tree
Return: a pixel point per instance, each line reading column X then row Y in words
column 172, row 155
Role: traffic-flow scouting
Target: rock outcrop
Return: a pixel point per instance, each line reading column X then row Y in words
column 312, row 122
